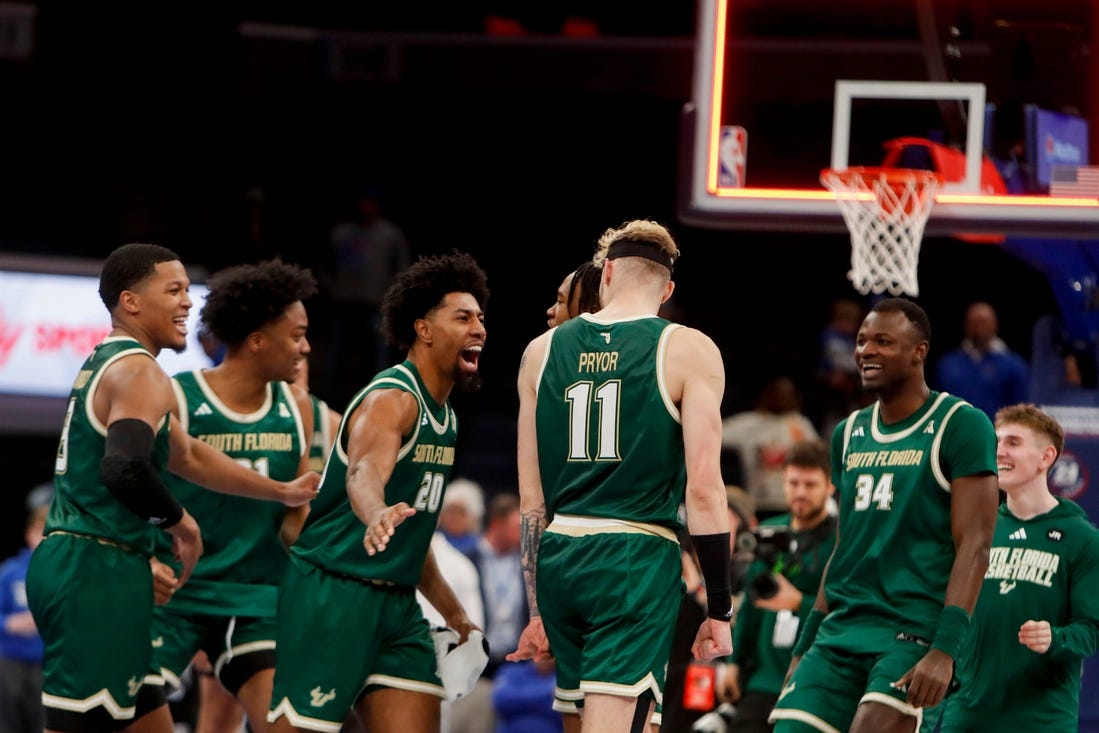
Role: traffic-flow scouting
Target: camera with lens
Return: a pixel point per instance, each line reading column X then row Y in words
column 773, row 546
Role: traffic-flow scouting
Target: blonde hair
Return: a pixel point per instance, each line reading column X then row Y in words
column 640, row 230
column 1036, row 419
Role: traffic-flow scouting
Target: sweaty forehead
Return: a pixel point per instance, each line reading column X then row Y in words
column 454, row 302
column 172, row 271
column 1016, row 430
column 895, row 323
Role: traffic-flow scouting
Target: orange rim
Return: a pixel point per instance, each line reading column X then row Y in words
column 892, row 176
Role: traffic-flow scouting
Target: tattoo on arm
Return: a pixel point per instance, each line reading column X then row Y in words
column 532, row 525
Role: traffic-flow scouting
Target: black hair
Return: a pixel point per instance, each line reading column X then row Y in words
column 127, row 266
column 914, row 313
column 244, row 298
column 585, row 279
column 422, row 287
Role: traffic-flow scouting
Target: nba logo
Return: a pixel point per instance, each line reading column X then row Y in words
column 732, row 156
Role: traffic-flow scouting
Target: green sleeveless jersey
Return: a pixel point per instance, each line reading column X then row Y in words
column 82, row 504
column 1044, row 569
column 890, row 568
column 243, row 559
column 318, row 449
column 610, row 443
column 332, row 538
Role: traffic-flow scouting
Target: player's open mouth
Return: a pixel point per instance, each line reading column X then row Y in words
column 181, row 324
column 870, row 368
column 469, row 357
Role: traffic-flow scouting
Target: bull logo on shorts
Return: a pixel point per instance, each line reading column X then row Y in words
column 320, row 698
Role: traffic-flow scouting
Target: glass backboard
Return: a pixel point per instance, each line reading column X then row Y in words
column 994, row 95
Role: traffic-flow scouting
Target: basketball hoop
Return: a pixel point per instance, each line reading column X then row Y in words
column 886, row 210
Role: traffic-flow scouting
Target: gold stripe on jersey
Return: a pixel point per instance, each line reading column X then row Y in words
column 575, row 526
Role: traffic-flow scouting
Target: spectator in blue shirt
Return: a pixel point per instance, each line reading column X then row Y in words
column 20, row 645
column 983, row 370
column 523, row 698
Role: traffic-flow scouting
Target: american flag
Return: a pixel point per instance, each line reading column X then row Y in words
column 1074, row 181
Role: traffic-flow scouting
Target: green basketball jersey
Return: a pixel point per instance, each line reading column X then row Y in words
column 1044, row 569
column 82, row 504
column 244, row 559
column 609, row 439
column 332, row 537
column 318, row 449
column 890, row 569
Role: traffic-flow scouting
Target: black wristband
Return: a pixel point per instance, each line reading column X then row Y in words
column 713, row 553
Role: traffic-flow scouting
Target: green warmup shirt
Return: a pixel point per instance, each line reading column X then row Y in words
column 332, row 538
column 82, row 504
column 889, row 572
column 610, row 442
column 763, row 640
column 243, row 558
column 1043, row 569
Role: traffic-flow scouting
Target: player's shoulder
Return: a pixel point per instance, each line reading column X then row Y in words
column 962, row 412
column 690, row 341
column 300, row 394
column 539, row 343
column 137, row 365
column 1069, row 510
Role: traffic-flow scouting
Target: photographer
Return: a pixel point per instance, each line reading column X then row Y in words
column 791, row 551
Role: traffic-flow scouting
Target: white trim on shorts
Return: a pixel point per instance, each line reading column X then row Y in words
column 648, row 682
column 802, row 717
column 103, row 699
column 301, row 721
column 881, row 697
column 240, row 650
column 400, row 683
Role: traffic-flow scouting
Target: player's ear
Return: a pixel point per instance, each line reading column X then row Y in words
column 1049, row 457
column 254, row 340
column 920, row 352
column 423, row 330
column 668, row 290
column 128, row 301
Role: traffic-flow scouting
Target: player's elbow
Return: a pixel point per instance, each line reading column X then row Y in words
column 137, row 485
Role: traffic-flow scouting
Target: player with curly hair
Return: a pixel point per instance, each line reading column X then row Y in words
column 350, row 631
column 246, row 408
column 89, row 584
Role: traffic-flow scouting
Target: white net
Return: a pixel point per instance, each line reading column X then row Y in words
column 886, row 210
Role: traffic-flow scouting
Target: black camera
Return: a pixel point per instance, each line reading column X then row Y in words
column 769, row 545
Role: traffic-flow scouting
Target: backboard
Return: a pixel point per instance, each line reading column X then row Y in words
column 783, row 89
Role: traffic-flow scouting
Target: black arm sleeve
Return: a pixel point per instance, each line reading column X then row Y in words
column 713, row 559
column 129, row 474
